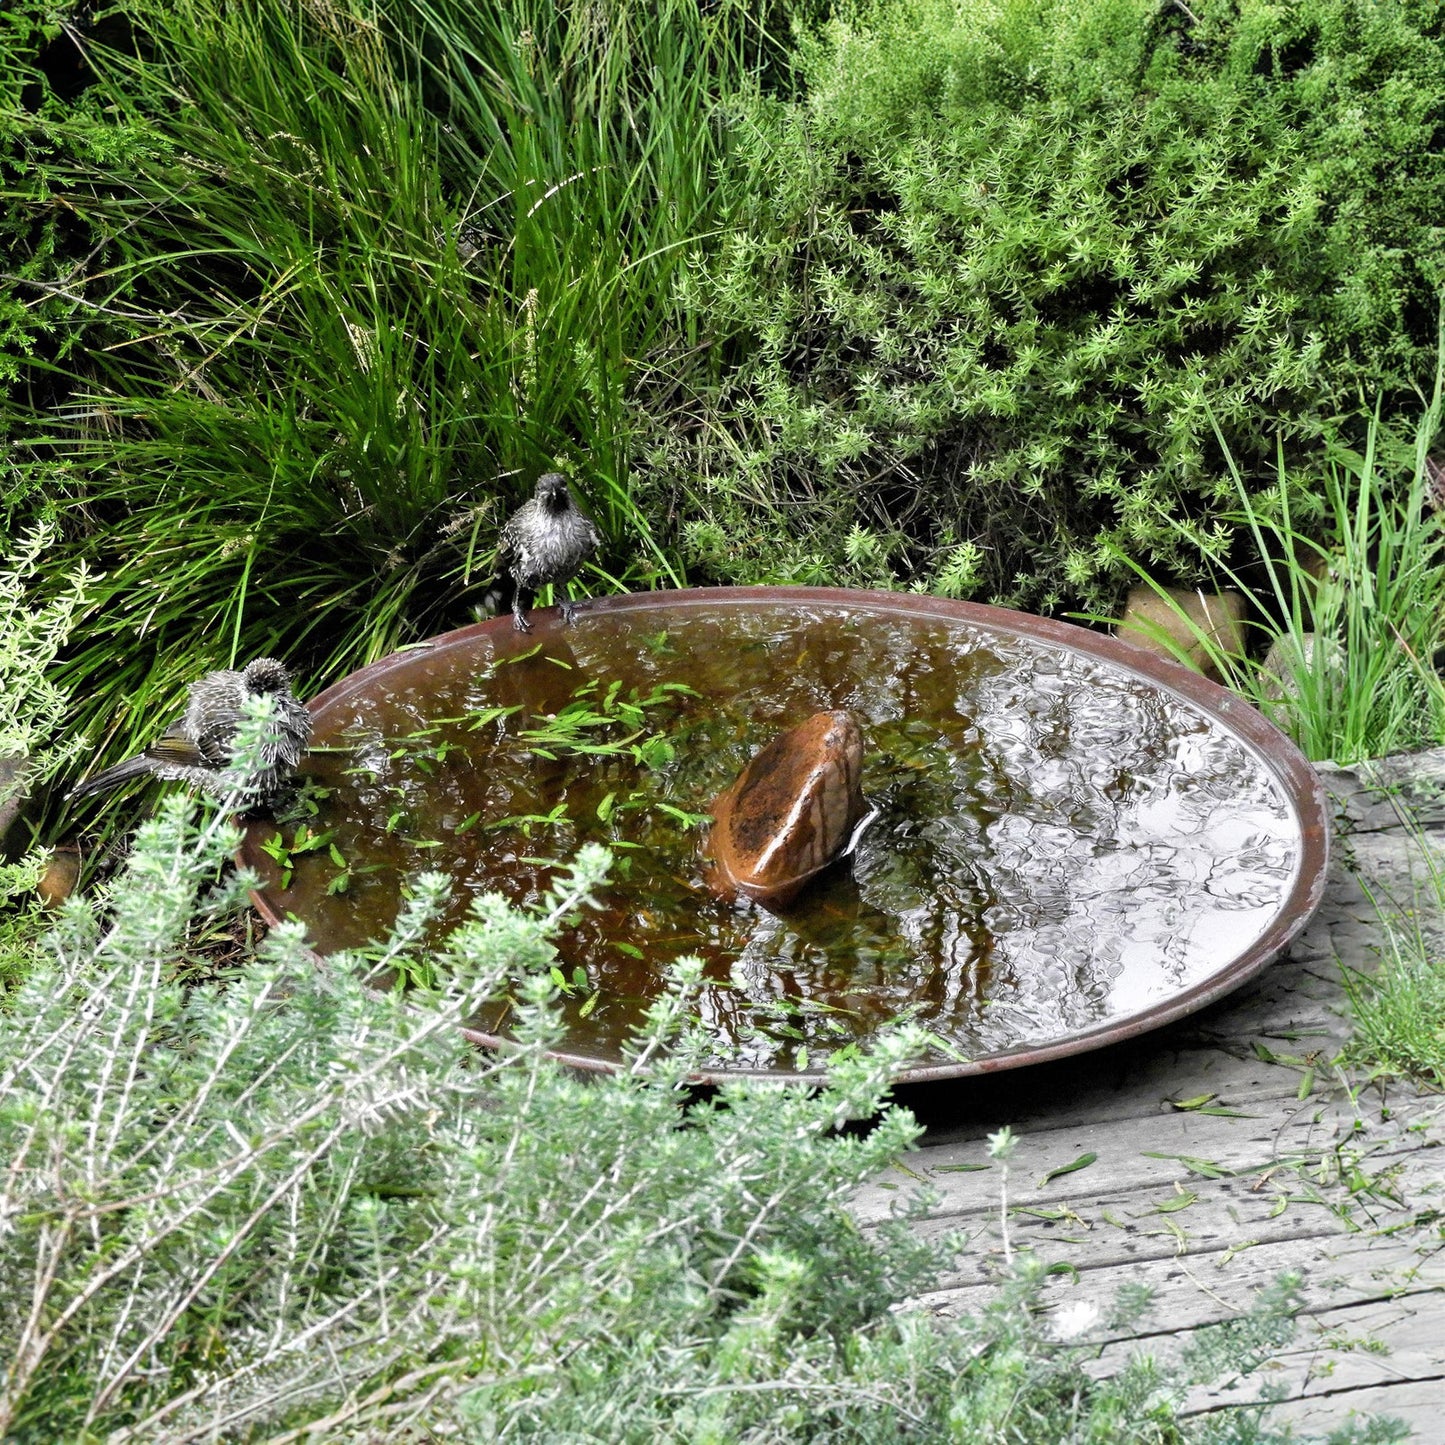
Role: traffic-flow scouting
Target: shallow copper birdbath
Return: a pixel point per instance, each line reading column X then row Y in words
column 1077, row 841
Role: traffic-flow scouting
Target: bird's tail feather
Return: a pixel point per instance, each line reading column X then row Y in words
column 112, row 777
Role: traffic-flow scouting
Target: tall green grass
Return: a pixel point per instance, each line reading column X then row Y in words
column 1352, row 600
column 383, row 264
column 1399, row 1006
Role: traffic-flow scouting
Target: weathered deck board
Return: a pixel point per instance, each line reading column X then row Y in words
column 1195, row 1287
column 1344, row 1187
column 1138, row 1155
column 1200, row 1219
column 1371, row 1345
column 1381, row 1351
column 1416, row 1402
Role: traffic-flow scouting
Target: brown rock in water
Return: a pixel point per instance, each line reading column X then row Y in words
column 790, row 812
column 1170, row 625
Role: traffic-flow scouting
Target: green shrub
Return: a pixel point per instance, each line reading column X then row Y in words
column 992, row 275
column 294, row 1204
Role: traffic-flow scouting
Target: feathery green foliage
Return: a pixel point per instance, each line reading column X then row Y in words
column 993, row 273
column 33, row 746
column 32, row 707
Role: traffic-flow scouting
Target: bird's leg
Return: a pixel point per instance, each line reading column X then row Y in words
column 568, row 608
column 521, row 600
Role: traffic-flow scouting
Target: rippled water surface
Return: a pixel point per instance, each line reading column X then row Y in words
column 1058, row 842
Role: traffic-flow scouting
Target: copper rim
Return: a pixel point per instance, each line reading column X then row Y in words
column 1299, row 781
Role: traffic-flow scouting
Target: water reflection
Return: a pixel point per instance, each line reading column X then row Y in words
column 1058, row 842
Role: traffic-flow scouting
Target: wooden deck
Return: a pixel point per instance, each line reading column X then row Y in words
column 1290, row 1165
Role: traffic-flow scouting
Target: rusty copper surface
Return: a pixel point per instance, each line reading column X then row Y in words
column 1297, row 779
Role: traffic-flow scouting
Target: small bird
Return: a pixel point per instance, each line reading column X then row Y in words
column 198, row 747
column 545, row 540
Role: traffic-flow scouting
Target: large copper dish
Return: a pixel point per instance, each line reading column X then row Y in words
column 1259, row 918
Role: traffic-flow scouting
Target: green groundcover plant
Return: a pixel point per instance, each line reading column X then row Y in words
column 1398, row 1005
column 992, row 273
column 289, row 1207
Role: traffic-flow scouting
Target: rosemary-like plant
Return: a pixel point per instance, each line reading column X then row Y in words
column 294, row 1208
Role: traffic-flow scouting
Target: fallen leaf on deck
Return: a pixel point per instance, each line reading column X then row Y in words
column 1198, row 1102
column 1203, row 1167
column 1082, row 1162
column 1233, row 1250
column 1180, row 1201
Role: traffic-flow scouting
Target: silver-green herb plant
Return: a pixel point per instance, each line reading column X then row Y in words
column 286, row 1206
column 33, row 745
column 32, row 707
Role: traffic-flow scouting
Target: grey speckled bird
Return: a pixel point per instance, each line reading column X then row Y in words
column 201, row 744
column 545, row 540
